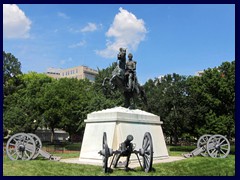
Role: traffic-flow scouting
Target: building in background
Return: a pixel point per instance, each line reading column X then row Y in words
column 199, row 73
column 160, row 78
column 79, row 72
column 45, row 135
column 53, row 72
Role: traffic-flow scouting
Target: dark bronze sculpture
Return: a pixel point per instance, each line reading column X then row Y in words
column 125, row 149
column 124, row 78
column 122, row 61
column 131, row 73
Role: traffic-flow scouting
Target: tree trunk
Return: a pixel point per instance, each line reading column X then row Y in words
column 70, row 137
column 175, row 135
column 52, row 135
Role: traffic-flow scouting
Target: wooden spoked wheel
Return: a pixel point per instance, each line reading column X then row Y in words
column 218, row 146
column 105, row 152
column 21, row 146
column 202, row 143
column 147, row 152
column 38, row 144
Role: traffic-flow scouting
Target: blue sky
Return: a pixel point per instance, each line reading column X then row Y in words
column 163, row 39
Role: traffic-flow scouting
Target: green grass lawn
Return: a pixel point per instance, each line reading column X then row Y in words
column 197, row 166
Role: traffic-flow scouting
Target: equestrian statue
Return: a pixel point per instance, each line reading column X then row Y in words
column 124, row 78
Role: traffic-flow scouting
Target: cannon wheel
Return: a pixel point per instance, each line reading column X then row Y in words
column 202, row 141
column 106, row 153
column 147, row 147
column 218, row 146
column 38, row 144
column 20, row 146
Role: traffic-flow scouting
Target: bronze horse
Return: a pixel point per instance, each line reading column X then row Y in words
column 119, row 81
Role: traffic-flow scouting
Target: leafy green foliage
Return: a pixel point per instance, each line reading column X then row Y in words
column 190, row 106
column 22, row 109
column 168, row 99
column 11, row 70
column 195, row 105
column 11, row 66
column 214, row 97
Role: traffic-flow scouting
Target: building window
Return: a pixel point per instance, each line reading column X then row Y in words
column 91, row 77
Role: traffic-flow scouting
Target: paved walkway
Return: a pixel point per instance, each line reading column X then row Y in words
column 131, row 164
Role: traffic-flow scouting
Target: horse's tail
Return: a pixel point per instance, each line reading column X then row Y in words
column 143, row 96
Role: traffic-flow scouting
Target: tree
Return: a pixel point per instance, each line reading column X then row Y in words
column 167, row 98
column 66, row 104
column 193, row 105
column 11, row 66
column 174, row 105
column 22, row 109
column 76, row 96
column 11, row 70
column 214, row 97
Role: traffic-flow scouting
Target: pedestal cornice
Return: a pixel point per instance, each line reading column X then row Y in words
column 120, row 114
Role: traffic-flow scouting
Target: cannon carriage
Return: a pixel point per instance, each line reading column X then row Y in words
column 127, row 148
column 22, row 146
column 215, row 146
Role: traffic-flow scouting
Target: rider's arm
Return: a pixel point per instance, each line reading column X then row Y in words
column 134, row 65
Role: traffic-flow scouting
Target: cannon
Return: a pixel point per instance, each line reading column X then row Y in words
column 22, row 146
column 215, row 146
column 126, row 148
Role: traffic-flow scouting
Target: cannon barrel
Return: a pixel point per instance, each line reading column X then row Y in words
column 128, row 140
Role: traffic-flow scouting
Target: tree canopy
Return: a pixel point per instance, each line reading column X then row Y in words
column 188, row 106
column 11, row 70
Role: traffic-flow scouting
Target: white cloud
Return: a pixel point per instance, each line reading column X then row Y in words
column 89, row 27
column 126, row 31
column 80, row 44
column 15, row 23
column 63, row 15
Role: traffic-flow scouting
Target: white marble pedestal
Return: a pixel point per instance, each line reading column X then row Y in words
column 118, row 123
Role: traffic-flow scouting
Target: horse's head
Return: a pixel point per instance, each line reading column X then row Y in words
column 122, row 53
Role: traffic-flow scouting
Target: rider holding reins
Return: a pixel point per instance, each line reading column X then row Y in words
column 124, row 79
column 131, row 73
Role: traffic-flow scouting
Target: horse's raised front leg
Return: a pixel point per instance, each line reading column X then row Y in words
column 104, row 86
column 112, row 85
column 104, row 81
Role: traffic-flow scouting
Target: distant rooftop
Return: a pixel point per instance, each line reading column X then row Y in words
column 79, row 72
